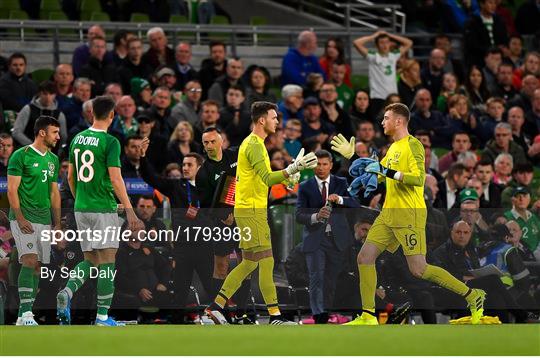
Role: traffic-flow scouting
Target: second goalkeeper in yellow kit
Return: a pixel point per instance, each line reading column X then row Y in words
column 253, row 178
column 403, row 217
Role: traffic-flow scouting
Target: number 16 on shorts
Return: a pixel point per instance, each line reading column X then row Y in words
column 413, row 241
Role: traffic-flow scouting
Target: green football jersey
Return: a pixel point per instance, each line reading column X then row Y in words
column 92, row 153
column 37, row 171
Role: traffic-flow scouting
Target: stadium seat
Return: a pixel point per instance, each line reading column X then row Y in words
column 48, row 6
column 360, row 82
column 41, row 74
column 178, row 19
column 60, row 16
column 139, row 17
column 258, row 21
column 100, row 16
column 9, row 5
column 88, row 7
column 18, row 15
column 219, row 20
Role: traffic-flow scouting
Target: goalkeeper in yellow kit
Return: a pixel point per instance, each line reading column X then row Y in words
column 253, row 178
column 403, row 217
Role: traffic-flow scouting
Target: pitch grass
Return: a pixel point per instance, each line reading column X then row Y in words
column 271, row 340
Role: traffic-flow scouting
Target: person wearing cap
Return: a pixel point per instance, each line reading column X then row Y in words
column 527, row 220
column 312, row 125
column 141, row 92
column 133, row 66
column 157, row 149
column 233, row 75
column 291, row 103
column 469, row 211
column 166, row 77
column 522, row 175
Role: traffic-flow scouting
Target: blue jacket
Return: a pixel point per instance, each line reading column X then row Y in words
column 310, row 201
column 296, row 67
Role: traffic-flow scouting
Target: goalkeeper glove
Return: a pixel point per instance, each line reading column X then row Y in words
column 340, row 145
column 378, row 168
column 292, row 181
column 308, row 161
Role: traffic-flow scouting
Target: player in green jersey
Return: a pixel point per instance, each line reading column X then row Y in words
column 32, row 192
column 94, row 177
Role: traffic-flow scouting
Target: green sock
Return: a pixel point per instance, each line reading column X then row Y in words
column 75, row 283
column 234, row 280
column 368, row 283
column 267, row 286
column 105, row 289
column 35, row 281
column 444, row 279
column 26, row 289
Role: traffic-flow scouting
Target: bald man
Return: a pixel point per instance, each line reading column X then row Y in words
column 299, row 62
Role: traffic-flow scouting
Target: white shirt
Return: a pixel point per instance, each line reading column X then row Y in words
column 320, row 186
column 486, row 192
column 382, row 73
column 450, row 196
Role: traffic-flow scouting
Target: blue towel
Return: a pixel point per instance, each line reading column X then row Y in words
column 362, row 179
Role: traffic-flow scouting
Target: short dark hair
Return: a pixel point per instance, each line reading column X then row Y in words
column 238, row 87
column 460, row 133
column 494, row 51
column 199, row 158
column 323, row 154
column 102, row 106
column 132, row 137
column 119, row 36
column 43, row 122
column 212, row 129
column 379, row 38
column 260, row 109
column 47, row 86
column 399, row 109
column 147, row 197
column 422, row 133
column 523, row 168
column 484, row 162
column 217, row 43
column 456, row 169
column 16, row 55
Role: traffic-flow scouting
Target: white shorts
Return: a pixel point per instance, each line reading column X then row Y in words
column 104, row 230
column 32, row 243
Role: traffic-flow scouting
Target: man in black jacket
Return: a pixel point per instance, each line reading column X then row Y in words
column 97, row 70
column 16, row 88
column 133, row 66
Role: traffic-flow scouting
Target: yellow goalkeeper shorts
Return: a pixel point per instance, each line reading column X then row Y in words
column 255, row 232
column 412, row 239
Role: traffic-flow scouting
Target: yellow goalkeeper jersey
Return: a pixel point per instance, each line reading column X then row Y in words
column 404, row 204
column 253, row 177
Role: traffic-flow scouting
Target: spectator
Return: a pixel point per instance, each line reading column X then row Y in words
column 209, row 117
column 96, row 70
column 449, row 188
column 312, row 125
column 63, row 78
column 185, row 72
column 159, row 53
column 491, row 193
column 44, row 104
column 532, row 126
column 120, row 43
column 409, row 81
column 455, row 14
column 503, row 143
column 382, row 64
column 146, row 209
column 476, row 184
column 432, row 74
column 326, row 233
column 482, row 32
column 461, row 143
column 469, row 160
column 165, row 77
column 258, row 86
column 515, row 53
column 85, row 121
column 528, row 221
column 72, row 108
column 332, row 112
column 522, row 176
column 528, row 17
column 131, row 158
column 113, row 90
column 299, row 62
column 469, row 211
column 157, row 149
column 293, row 132
column 460, row 118
column 431, row 159
column 81, row 55
column 233, row 75
column 345, row 93
column 16, row 88
column 516, row 119
column 448, row 88
column 531, row 66
column 366, row 134
column 475, row 89
column 431, row 120
column 494, row 116
column 125, row 122
column 334, row 51
column 6, row 149
column 313, row 85
column 182, row 142
column 291, row 104
column 524, row 99
column 160, row 111
column 361, row 111
column 141, row 92
column 492, row 61
column 213, row 67
column 503, row 169
column 235, row 117
column 515, row 240
column 504, row 87
column 188, row 109
column 133, row 66
column 452, row 65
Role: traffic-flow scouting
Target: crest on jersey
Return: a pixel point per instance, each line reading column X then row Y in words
column 51, row 169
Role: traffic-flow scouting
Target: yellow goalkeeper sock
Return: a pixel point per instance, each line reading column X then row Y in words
column 444, row 279
column 234, row 280
column 368, row 283
column 267, row 286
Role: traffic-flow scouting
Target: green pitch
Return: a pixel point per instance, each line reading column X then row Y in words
column 270, row 340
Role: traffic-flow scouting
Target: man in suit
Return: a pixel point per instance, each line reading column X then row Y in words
column 450, row 187
column 326, row 232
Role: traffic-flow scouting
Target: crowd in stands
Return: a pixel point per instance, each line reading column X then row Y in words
column 478, row 118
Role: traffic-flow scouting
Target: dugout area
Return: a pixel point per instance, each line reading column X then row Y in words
column 272, row 340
